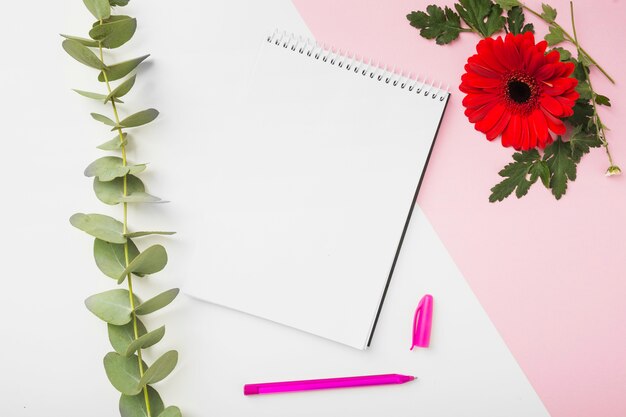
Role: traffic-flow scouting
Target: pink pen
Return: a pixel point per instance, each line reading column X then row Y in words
column 315, row 384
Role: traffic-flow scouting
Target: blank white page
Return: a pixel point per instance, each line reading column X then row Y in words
column 309, row 194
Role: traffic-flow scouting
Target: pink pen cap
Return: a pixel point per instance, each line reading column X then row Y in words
column 422, row 322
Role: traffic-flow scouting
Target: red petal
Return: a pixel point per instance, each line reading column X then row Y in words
column 551, row 104
column 541, row 127
column 497, row 129
column 554, row 124
column 476, row 114
column 477, row 100
column 475, row 80
column 490, row 119
column 511, row 134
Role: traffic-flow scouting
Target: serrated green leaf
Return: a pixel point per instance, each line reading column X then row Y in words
column 122, row 89
column 121, row 70
column 102, row 119
column 584, row 90
column 483, row 16
column 123, row 372
column 581, row 142
column 141, row 234
column 115, row 32
column 583, row 111
column 566, row 55
column 82, row 54
column 602, row 100
column 549, row 13
column 84, row 41
column 160, row 369
column 135, row 405
column 442, row 25
column 111, row 258
column 138, row 197
column 100, row 226
column 113, row 144
column 516, row 176
column 94, row 96
column 145, row 341
column 122, row 336
column 157, row 303
column 508, row 4
column 111, row 306
column 539, row 169
column 140, row 118
column 171, row 411
column 112, row 192
column 150, row 261
column 108, row 168
column 100, row 9
column 515, row 21
column 558, row 156
column 555, row 36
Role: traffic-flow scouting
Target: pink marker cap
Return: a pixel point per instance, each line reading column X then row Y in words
column 422, row 322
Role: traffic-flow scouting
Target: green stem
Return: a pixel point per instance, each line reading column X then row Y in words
column 129, row 278
column 596, row 116
column 573, row 40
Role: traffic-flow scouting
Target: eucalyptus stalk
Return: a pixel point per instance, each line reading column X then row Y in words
column 115, row 182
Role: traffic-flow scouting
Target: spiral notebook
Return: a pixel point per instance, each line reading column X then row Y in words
column 311, row 193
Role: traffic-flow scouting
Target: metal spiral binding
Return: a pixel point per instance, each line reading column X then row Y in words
column 357, row 65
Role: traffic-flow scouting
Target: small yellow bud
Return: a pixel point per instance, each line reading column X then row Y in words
column 613, row 170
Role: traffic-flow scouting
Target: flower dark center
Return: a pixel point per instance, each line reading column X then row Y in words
column 518, row 91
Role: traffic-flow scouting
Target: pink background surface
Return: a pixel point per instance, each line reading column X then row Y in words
column 549, row 274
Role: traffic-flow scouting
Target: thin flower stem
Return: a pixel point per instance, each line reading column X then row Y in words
column 596, row 116
column 573, row 40
column 129, row 278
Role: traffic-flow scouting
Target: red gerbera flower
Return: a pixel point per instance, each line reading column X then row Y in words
column 516, row 90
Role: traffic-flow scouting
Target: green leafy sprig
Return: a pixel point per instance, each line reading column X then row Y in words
column 557, row 166
column 115, row 182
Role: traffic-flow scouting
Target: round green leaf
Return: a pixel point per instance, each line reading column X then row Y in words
column 87, row 42
column 82, row 54
column 141, row 118
column 112, row 192
column 120, row 3
column 123, row 372
column 141, row 234
column 141, row 197
column 171, row 411
column 100, row 9
column 110, row 257
column 135, row 405
column 160, row 369
column 112, row 306
column 117, row 71
column 97, row 225
column 109, row 167
column 113, row 144
column 150, row 261
column 95, row 96
column 122, row 336
column 103, row 119
column 145, row 341
column 122, row 89
column 157, row 303
column 114, row 33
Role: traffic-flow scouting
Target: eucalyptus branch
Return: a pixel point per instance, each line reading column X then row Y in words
column 129, row 278
column 116, row 255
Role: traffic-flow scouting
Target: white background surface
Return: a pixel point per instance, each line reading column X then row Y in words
column 52, row 346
